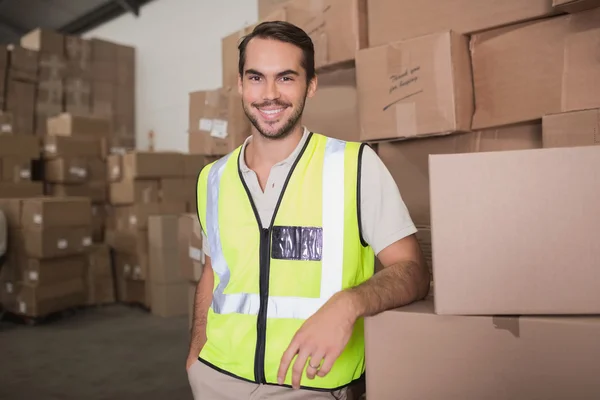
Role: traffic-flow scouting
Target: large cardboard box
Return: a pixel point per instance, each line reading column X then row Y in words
column 514, row 232
column 149, row 164
column 71, row 146
column 333, row 110
column 36, row 272
column 164, row 246
column 78, row 96
column 575, row 128
column 15, row 169
column 408, row 160
column 67, row 124
column 78, row 52
column 44, row 41
column 417, row 87
column 575, row 6
column 524, row 72
column 6, row 118
column 20, row 101
column 191, row 257
column 129, row 191
column 21, row 189
column 43, row 300
column 23, row 64
column 169, row 300
column 217, row 123
column 19, row 146
column 480, row 357
column 392, row 20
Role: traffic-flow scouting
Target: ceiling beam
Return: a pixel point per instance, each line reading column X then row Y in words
column 11, row 26
column 131, row 6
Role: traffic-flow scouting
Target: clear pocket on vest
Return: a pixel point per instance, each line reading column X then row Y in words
column 297, row 243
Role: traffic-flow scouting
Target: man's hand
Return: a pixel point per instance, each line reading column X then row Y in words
column 320, row 340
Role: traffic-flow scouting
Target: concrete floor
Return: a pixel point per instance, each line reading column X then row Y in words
column 113, row 352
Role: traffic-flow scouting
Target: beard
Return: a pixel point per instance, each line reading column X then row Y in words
column 287, row 127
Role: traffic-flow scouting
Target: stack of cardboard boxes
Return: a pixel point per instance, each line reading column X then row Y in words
column 17, row 156
column 46, row 265
column 191, row 256
column 21, row 77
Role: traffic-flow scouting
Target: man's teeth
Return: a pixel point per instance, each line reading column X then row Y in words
column 271, row 112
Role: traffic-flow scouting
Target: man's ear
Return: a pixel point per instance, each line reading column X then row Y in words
column 312, row 87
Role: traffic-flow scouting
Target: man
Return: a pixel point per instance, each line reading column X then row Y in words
column 291, row 222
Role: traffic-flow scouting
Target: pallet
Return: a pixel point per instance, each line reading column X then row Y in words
column 29, row 320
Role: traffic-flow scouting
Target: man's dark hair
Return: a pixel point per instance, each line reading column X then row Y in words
column 284, row 32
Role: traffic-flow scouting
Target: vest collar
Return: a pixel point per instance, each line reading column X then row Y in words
column 289, row 160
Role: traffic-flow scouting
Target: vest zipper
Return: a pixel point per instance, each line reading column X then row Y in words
column 259, row 365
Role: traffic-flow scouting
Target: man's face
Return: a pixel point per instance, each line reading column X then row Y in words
column 273, row 87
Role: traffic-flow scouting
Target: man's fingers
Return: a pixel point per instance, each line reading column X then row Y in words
column 286, row 359
column 326, row 366
column 298, row 368
column 314, row 362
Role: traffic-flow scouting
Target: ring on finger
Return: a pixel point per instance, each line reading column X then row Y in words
column 312, row 366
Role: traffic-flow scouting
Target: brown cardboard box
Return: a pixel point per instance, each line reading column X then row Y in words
column 6, row 118
column 103, row 98
column 44, row 300
column 217, row 123
column 52, row 67
column 390, row 20
column 104, row 50
column 266, row 7
column 49, row 103
column 575, row 128
column 158, row 164
column 511, row 229
column 194, row 164
column 21, row 189
column 71, row 146
column 66, row 170
column 44, row 41
column 99, row 215
column 523, row 357
column 15, row 169
column 20, row 101
column 23, row 64
column 133, row 191
column 164, row 246
column 78, row 96
column 57, row 241
column 53, row 212
column 191, row 257
column 575, row 6
column 417, row 87
column 408, row 160
column 169, row 300
column 176, row 190
column 99, row 276
column 67, row 124
column 114, row 166
column 126, row 65
column 95, row 190
column 135, row 217
column 333, row 111
column 132, row 243
column 25, row 146
column 138, row 292
column 78, row 53
column 338, row 28
column 12, row 209
column 554, row 73
column 37, row 272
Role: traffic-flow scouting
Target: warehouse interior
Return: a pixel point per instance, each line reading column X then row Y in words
column 485, row 113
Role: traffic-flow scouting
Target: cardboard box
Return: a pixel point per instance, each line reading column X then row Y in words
column 23, row 64
column 104, row 98
column 15, row 169
column 135, row 217
column 126, row 66
column 499, row 231
column 333, row 111
column 523, row 357
column 67, row 124
column 176, row 190
column 71, row 146
column 99, row 216
column 575, row 6
column 575, row 128
column 408, row 160
column 390, row 20
column 555, row 71
column 164, row 256
column 99, row 276
column 44, row 41
column 131, row 243
column 23, row 146
column 6, row 119
column 169, row 300
column 78, row 53
column 157, row 164
column 133, row 191
column 51, row 212
column 193, row 164
column 20, row 101
column 57, row 241
column 78, row 96
column 37, row 272
column 417, row 87
column 66, row 170
column 217, row 123
column 52, row 67
column 12, row 211
column 21, row 189
column 103, row 50
column 191, row 257
column 96, row 191
column 45, row 300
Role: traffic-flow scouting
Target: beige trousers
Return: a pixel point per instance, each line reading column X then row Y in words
column 209, row 384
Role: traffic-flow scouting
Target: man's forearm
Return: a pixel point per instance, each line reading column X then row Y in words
column 394, row 286
column 202, row 301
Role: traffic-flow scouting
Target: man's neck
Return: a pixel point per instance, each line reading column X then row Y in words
column 265, row 153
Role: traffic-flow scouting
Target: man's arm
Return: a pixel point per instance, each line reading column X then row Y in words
column 404, row 279
column 202, row 301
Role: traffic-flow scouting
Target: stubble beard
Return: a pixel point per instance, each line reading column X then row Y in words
column 285, row 130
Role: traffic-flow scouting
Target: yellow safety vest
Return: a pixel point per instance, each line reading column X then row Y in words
column 269, row 280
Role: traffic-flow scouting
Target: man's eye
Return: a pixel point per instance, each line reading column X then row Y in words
column 254, row 78
column 287, row 79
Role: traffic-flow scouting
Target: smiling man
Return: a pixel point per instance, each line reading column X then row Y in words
column 291, row 222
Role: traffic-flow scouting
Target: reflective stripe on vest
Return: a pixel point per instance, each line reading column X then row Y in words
column 333, row 245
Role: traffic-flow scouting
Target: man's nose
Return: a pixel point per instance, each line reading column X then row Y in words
column 271, row 90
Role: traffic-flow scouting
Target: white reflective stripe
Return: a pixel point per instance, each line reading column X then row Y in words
column 332, row 255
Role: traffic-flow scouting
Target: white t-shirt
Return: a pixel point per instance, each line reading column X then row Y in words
column 384, row 216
